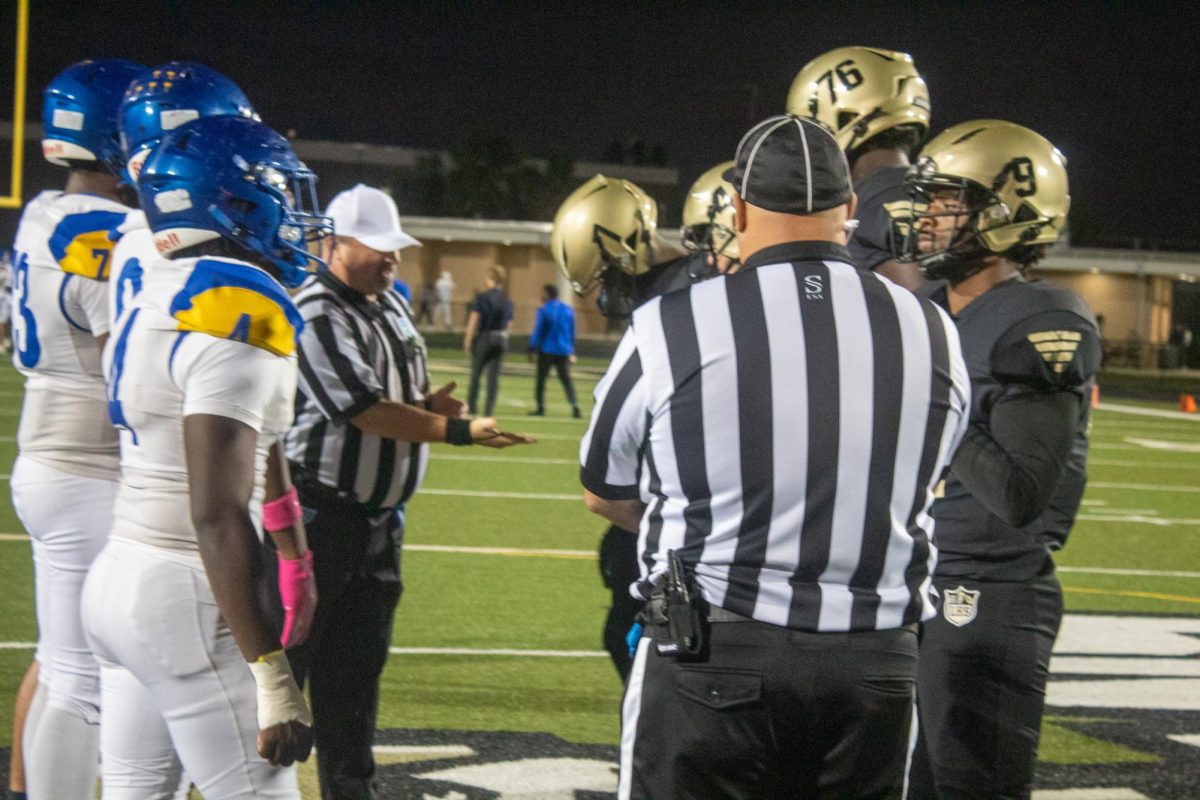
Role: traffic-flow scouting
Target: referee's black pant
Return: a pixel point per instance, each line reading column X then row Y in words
column 981, row 690
column 356, row 558
column 770, row 714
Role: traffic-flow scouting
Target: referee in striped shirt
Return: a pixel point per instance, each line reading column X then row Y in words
column 358, row 450
column 775, row 436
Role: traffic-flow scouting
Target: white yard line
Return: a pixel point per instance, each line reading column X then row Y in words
column 471, row 651
column 1158, row 444
column 1148, row 412
column 503, row 459
column 500, row 551
column 578, row 498
column 1139, row 519
column 1152, row 573
column 1144, row 487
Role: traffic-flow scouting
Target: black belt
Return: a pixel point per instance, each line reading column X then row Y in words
column 310, row 487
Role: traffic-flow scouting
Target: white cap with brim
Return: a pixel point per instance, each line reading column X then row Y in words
column 370, row 216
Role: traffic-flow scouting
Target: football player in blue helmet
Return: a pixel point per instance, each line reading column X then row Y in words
column 202, row 383
column 161, row 100
column 237, row 183
column 65, row 477
column 79, row 114
column 169, row 96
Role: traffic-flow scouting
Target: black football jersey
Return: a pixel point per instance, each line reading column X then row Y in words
column 1026, row 337
column 671, row 276
column 883, row 205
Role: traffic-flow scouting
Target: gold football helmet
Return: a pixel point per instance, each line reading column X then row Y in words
column 1006, row 184
column 858, row 92
column 708, row 214
column 605, row 224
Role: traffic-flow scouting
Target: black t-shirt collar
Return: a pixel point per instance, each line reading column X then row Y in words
column 798, row 251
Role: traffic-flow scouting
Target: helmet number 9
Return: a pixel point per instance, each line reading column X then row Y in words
column 1021, row 170
column 847, row 75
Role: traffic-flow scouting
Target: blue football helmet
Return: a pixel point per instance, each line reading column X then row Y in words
column 169, row 96
column 234, row 177
column 79, row 113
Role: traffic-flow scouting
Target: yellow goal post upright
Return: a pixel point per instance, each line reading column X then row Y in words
column 13, row 198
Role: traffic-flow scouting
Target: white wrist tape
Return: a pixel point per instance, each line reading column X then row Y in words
column 279, row 698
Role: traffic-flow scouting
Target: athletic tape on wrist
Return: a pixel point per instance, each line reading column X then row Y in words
column 279, row 698
column 283, row 512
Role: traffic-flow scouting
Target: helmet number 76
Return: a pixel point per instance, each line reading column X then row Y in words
column 847, row 75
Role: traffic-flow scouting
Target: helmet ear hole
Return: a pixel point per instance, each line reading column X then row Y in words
column 1025, row 214
column 242, row 205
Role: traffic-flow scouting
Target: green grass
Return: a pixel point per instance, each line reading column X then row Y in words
column 556, row 602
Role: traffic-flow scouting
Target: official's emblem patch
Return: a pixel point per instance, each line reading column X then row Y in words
column 960, row 605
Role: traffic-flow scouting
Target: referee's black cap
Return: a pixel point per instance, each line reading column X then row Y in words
column 792, row 165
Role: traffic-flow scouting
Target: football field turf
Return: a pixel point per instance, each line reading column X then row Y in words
column 499, row 627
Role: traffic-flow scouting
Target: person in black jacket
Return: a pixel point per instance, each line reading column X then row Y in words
column 988, row 197
column 486, row 339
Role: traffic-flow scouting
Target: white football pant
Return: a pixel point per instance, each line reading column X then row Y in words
column 172, row 682
column 68, row 517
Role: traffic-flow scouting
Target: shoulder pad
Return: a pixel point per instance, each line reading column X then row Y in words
column 82, row 243
column 1055, row 349
column 236, row 301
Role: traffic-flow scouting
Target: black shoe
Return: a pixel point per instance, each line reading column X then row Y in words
column 575, row 412
column 541, row 412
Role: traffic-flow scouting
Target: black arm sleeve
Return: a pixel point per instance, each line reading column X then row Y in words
column 1013, row 465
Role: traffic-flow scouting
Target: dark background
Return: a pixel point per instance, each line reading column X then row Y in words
column 1115, row 85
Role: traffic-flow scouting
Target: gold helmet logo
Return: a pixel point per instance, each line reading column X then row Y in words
column 605, row 223
column 858, row 92
column 708, row 214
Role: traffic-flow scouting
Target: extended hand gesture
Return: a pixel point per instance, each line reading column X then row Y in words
column 485, row 433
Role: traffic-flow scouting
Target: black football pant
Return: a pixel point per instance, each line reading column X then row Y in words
column 981, row 690
column 562, row 365
column 619, row 568
column 356, row 558
column 487, row 353
column 770, row 714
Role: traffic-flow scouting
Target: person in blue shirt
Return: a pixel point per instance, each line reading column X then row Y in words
column 553, row 340
column 402, row 287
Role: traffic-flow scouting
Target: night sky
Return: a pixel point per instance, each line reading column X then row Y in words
column 1115, row 85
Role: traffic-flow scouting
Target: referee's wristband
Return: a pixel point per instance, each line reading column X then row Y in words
column 458, row 431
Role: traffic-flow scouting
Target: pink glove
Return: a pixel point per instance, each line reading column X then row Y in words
column 298, row 590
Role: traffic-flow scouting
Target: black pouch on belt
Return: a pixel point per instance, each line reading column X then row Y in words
column 682, row 608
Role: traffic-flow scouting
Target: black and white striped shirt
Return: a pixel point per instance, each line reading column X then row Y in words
column 353, row 353
column 786, row 426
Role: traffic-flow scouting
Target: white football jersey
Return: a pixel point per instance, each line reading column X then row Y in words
column 63, row 252
column 135, row 248
column 203, row 336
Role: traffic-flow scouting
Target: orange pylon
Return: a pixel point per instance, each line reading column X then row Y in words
column 1095, row 395
column 1187, row 403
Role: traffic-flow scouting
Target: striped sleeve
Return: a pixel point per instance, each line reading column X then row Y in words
column 611, row 452
column 333, row 368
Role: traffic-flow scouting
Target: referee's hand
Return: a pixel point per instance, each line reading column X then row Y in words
column 441, row 402
column 485, row 433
